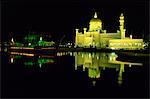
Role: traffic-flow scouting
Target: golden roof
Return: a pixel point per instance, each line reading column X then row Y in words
column 95, row 20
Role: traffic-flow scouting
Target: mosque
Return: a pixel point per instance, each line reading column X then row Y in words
column 97, row 37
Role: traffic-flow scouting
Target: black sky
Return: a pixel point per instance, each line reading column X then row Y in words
column 60, row 17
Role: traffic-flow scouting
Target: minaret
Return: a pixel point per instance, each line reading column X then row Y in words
column 122, row 30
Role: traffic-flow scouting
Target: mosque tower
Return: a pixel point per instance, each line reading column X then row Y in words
column 122, row 30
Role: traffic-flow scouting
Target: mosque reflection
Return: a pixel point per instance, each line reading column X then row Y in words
column 96, row 62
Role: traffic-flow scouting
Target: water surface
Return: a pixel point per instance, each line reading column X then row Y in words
column 68, row 74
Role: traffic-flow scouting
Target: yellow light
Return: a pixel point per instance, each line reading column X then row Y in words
column 29, row 44
column 26, row 54
column 97, row 57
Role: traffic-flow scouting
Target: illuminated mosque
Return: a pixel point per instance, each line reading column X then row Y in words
column 96, row 37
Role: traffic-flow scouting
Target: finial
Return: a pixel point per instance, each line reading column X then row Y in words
column 95, row 16
column 121, row 14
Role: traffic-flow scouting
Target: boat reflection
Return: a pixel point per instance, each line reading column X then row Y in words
column 96, row 62
column 31, row 59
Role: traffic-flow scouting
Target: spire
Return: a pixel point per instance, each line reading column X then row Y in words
column 121, row 14
column 95, row 15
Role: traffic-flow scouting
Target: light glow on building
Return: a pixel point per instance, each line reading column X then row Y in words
column 97, row 37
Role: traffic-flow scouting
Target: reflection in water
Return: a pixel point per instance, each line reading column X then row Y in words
column 93, row 62
column 5, row 49
column 12, row 60
column 96, row 62
column 26, row 54
column 30, row 60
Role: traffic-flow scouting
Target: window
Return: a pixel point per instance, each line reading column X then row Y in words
column 136, row 43
column 130, row 44
column 139, row 44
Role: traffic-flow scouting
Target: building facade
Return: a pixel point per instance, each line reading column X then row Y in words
column 97, row 37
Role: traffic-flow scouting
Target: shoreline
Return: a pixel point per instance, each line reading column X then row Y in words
column 53, row 49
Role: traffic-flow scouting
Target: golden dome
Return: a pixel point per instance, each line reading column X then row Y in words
column 95, row 20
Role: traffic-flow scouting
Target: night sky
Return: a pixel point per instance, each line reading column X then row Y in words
column 61, row 17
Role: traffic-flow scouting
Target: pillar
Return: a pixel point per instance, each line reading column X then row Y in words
column 77, row 30
column 84, row 30
column 76, row 37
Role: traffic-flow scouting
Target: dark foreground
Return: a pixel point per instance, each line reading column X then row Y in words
column 34, row 76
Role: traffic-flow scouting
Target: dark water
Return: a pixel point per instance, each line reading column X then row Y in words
column 69, row 74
